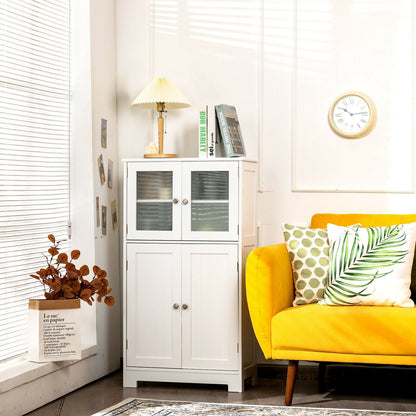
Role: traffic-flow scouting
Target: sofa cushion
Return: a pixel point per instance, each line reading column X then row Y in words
column 369, row 220
column 370, row 266
column 309, row 256
column 364, row 330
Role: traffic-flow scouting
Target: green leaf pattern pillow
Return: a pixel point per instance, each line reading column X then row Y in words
column 370, row 266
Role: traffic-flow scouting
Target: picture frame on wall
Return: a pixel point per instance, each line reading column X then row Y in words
column 114, row 214
column 104, row 133
column 101, row 169
column 104, row 220
column 110, row 174
column 97, row 210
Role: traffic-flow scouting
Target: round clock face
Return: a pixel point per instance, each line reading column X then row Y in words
column 352, row 115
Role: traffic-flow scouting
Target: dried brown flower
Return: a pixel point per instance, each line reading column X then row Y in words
column 62, row 280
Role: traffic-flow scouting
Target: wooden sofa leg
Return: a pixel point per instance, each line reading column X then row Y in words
column 292, row 369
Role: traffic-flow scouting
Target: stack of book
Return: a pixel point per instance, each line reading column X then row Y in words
column 219, row 132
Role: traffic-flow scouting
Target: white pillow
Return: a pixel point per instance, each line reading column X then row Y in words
column 370, row 266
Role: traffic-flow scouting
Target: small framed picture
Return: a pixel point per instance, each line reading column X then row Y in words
column 101, row 169
column 104, row 133
column 114, row 214
column 97, row 210
column 110, row 174
column 104, row 220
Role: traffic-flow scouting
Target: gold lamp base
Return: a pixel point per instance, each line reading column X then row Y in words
column 156, row 155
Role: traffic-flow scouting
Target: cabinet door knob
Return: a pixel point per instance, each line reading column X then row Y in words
column 184, row 201
column 175, row 200
column 184, row 306
column 175, row 306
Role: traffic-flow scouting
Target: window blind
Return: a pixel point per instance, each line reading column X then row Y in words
column 34, row 152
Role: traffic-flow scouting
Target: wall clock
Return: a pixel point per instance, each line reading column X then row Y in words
column 352, row 115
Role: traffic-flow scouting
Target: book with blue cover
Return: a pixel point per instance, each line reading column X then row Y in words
column 230, row 130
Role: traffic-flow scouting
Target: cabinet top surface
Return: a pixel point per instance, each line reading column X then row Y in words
column 190, row 159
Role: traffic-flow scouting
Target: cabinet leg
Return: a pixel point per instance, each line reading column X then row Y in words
column 236, row 386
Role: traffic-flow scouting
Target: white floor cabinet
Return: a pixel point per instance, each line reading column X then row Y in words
column 189, row 226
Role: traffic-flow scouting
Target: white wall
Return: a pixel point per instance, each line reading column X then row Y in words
column 281, row 63
column 104, row 106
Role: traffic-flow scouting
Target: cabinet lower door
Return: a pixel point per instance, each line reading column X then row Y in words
column 210, row 295
column 153, row 300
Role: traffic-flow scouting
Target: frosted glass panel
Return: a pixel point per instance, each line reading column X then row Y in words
column 154, row 200
column 210, row 185
column 209, row 216
column 209, row 199
column 154, row 185
column 155, row 216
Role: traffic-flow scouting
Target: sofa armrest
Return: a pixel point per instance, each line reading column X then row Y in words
column 269, row 288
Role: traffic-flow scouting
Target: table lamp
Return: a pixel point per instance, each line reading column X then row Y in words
column 161, row 94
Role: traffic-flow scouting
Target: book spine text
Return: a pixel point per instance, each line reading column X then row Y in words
column 203, row 133
column 211, row 131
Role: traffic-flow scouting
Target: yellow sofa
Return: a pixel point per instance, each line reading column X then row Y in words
column 348, row 334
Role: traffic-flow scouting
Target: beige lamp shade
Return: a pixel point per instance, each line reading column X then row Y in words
column 161, row 90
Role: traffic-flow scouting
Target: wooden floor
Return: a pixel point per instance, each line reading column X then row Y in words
column 346, row 387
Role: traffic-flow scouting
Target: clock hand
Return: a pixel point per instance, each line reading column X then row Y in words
column 344, row 109
column 364, row 112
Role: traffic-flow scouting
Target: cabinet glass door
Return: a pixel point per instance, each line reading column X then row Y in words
column 210, row 201
column 155, row 188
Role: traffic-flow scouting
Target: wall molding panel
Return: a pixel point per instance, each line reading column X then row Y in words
column 344, row 45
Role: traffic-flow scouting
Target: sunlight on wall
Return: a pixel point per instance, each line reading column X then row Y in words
column 278, row 35
column 253, row 25
column 314, row 41
column 372, row 6
column 233, row 23
column 164, row 16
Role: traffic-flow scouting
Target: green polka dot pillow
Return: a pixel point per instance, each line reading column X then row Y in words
column 309, row 255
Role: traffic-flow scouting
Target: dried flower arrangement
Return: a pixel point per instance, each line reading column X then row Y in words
column 62, row 280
